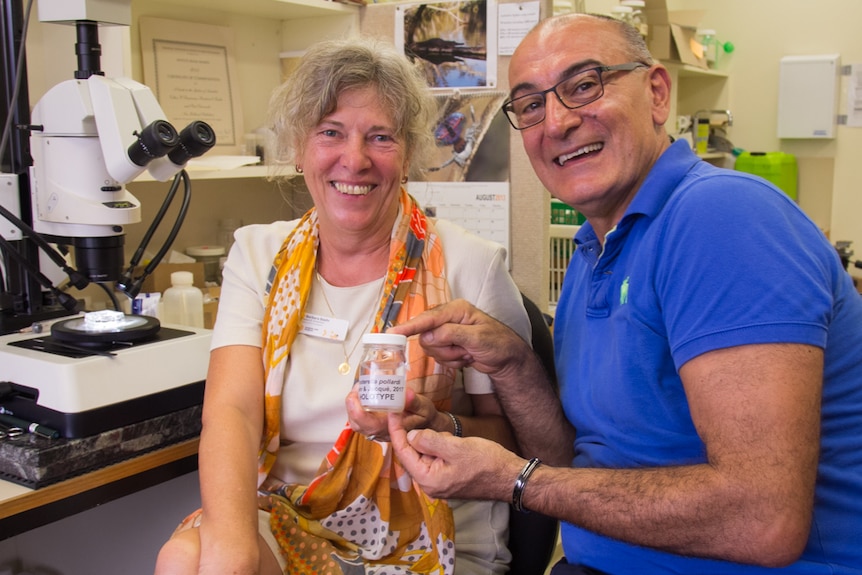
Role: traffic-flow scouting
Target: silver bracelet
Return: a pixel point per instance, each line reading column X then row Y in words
column 456, row 423
column 521, row 483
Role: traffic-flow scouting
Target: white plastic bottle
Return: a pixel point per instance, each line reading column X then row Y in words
column 183, row 302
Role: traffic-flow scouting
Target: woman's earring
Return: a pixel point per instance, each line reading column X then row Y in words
column 404, row 179
column 298, row 169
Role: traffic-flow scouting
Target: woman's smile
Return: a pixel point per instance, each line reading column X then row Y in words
column 352, row 189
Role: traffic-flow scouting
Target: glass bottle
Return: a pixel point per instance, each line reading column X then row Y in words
column 383, row 372
column 226, row 229
column 210, row 257
column 706, row 37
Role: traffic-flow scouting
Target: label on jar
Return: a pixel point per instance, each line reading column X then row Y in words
column 382, row 392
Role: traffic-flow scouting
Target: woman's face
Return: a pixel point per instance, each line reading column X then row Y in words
column 353, row 162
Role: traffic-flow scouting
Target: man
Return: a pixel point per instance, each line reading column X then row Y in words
column 708, row 344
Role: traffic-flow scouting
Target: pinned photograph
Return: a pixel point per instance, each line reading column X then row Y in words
column 472, row 138
column 450, row 42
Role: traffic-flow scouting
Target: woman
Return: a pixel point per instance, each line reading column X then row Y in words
column 352, row 119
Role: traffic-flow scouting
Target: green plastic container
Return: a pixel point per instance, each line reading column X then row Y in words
column 564, row 214
column 777, row 167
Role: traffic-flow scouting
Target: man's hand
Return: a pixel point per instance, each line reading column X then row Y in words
column 446, row 466
column 457, row 334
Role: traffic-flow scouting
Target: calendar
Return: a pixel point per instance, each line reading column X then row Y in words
column 480, row 207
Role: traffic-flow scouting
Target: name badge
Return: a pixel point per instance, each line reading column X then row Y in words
column 324, row 327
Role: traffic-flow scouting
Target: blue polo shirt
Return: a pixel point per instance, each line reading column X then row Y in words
column 704, row 259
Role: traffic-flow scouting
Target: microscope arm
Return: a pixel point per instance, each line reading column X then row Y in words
column 132, row 129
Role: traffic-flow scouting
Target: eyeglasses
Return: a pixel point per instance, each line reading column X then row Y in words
column 575, row 91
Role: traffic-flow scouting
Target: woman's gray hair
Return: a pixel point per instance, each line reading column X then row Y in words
column 330, row 68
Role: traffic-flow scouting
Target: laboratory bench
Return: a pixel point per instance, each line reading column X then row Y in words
column 42, row 480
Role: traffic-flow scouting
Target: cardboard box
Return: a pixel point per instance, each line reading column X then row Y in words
column 211, row 297
column 160, row 279
column 672, row 35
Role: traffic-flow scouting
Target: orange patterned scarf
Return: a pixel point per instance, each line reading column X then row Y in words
column 362, row 510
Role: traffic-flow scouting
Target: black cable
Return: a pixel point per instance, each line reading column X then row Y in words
column 4, row 287
column 175, row 229
column 181, row 216
column 132, row 287
column 157, row 220
column 66, row 300
column 111, row 295
column 19, row 76
column 7, row 125
column 78, row 279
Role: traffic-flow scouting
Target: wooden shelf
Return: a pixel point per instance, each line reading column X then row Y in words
column 233, row 174
column 712, row 156
column 23, row 509
column 280, row 9
column 195, row 174
column 689, row 71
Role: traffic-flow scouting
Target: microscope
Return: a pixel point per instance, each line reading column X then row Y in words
column 88, row 137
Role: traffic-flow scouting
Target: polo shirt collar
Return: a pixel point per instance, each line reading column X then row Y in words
column 664, row 177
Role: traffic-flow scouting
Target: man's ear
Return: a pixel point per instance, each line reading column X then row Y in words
column 659, row 81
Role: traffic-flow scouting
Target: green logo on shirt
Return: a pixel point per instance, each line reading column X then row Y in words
column 624, row 292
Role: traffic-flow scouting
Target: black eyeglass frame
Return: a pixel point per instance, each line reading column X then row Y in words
column 600, row 70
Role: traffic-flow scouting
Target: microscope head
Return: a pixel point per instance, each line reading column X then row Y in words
column 92, row 135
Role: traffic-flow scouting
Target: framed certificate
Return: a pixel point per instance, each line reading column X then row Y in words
column 190, row 68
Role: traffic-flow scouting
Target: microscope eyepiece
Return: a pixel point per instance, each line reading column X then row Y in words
column 153, row 141
column 195, row 140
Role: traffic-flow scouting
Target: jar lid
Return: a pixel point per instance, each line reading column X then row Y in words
column 182, row 278
column 205, row 251
column 384, row 339
column 231, row 223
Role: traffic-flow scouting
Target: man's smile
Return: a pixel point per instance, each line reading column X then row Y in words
column 561, row 160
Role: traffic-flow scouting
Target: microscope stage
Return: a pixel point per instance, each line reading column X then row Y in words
column 81, row 392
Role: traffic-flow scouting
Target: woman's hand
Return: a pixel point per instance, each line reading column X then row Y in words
column 419, row 413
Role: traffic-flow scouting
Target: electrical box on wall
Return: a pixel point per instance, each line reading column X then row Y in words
column 808, row 96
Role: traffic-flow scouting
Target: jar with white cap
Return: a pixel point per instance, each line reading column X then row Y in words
column 210, row 256
column 637, row 18
column 383, row 372
column 623, row 13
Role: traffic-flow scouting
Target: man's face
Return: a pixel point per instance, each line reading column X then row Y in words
column 594, row 157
